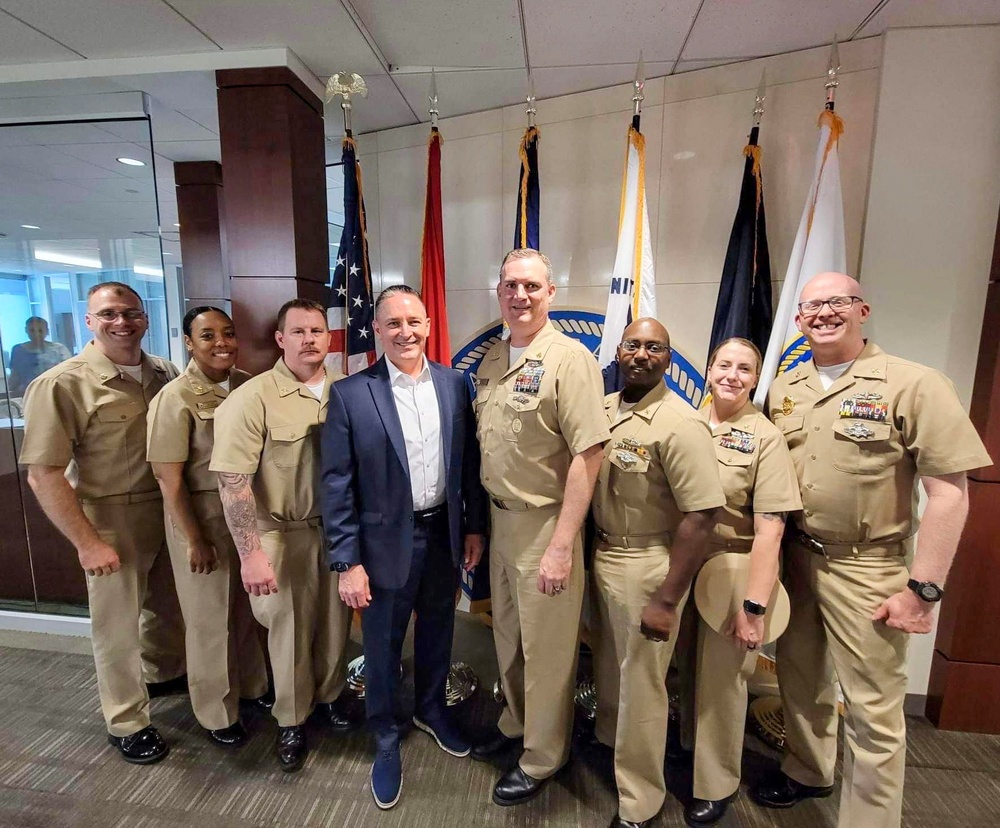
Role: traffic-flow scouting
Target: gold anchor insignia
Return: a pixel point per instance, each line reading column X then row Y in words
column 787, row 405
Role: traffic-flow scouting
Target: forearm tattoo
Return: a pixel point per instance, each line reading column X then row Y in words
column 240, row 509
column 780, row 516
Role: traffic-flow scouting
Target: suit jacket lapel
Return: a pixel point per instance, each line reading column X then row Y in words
column 381, row 392
column 445, row 412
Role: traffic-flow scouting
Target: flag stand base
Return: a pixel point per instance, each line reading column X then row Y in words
column 462, row 681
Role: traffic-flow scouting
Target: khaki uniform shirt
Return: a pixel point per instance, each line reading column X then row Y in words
column 270, row 427
column 181, row 424
column 84, row 410
column 536, row 415
column 658, row 464
column 859, row 446
column 756, row 471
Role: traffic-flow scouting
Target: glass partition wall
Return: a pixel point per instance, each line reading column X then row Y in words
column 79, row 208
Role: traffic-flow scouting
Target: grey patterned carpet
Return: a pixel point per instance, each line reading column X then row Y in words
column 57, row 771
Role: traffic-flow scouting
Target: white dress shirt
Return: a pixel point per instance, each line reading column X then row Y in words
column 419, row 415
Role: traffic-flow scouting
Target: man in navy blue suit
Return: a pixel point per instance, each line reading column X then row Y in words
column 403, row 509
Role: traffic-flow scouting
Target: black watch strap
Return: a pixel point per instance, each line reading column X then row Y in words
column 926, row 590
column 340, row 566
column 753, row 608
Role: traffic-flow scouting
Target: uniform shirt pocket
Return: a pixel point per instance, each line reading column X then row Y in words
column 119, row 412
column 520, row 414
column 863, row 447
column 735, row 472
column 289, row 442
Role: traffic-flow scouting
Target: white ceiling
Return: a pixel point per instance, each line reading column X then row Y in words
column 482, row 49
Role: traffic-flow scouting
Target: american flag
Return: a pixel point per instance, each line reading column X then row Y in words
column 350, row 315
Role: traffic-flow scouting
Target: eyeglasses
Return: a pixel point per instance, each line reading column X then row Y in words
column 836, row 303
column 109, row 315
column 630, row 346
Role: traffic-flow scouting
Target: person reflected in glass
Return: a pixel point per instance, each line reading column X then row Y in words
column 34, row 357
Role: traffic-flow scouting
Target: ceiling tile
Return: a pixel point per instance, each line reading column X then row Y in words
column 49, row 163
column 22, row 44
column 571, row 33
column 921, row 13
column 321, row 33
column 445, row 33
column 754, row 28
column 189, row 150
column 550, row 83
column 384, row 108
column 177, row 90
column 695, row 65
column 463, row 92
column 111, row 28
column 208, row 117
column 54, row 134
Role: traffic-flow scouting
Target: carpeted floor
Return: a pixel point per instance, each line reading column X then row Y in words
column 57, row 770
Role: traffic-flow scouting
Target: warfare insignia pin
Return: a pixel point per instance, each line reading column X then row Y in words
column 787, row 405
column 626, row 458
column 859, row 431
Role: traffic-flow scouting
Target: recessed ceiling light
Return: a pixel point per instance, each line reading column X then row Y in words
column 131, row 162
column 62, row 258
column 31, row 227
column 127, row 190
column 176, row 225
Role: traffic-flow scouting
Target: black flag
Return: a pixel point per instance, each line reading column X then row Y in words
column 744, row 305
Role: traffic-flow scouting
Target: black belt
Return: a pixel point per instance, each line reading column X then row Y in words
column 427, row 515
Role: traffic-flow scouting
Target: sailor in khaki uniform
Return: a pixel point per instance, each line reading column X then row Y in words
column 224, row 656
column 89, row 413
column 759, row 481
column 654, row 506
column 266, row 453
column 862, row 427
column 540, row 428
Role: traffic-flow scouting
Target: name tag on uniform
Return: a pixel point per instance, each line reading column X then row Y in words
column 737, row 440
column 529, row 378
column 865, row 405
column 481, row 382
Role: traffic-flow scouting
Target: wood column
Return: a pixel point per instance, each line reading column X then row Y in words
column 202, row 215
column 964, row 690
column 273, row 165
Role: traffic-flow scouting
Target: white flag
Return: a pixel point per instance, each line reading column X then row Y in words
column 633, row 285
column 819, row 247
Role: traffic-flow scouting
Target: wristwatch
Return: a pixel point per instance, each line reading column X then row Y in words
column 926, row 590
column 753, row 608
column 340, row 566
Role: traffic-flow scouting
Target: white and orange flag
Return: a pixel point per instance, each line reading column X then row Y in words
column 819, row 247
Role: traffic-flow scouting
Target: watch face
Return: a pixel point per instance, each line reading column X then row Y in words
column 929, row 592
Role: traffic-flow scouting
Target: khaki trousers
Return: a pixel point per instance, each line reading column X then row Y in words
column 307, row 623
column 536, row 637
column 117, row 601
column 224, row 657
column 831, row 636
column 161, row 626
column 630, row 674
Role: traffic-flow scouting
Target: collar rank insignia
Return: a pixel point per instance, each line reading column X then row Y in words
column 859, row 431
column 864, row 406
column 529, row 378
column 787, row 405
column 741, row 441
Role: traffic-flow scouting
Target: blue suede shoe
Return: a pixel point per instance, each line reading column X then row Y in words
column 449, row 739
column 387, row 778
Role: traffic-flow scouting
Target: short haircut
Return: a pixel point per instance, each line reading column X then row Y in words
column 737, row 340
column 393, row 290
column 300, row 304
column 41, row 319
column 528, row 253
column 189, row 317
column 118, row 288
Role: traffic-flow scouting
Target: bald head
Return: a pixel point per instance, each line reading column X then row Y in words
column 646, row 328
column 825, row 285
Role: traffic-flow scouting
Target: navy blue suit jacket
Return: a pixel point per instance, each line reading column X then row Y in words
column 366, row 495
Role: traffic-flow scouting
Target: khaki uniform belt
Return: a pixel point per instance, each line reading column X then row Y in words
column 644, row 541
column 510, row 505
column 140, row 497
column 834, row 549
column 717, row 545
column 267, row 525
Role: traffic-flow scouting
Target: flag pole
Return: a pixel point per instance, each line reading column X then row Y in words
column 346, row 84
column 832, row 70
column 530, row 98
column 637, row 96
column 432, row 98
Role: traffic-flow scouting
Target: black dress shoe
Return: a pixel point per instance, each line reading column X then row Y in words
column 618, row 822
column 336, row 715
column 232, row 736
column 495, row 743
column 781, row 791
column 516, row 787
column 142, row 748
column 292, row 747
column 706, row 811
column 262, row 704
column 170, row 687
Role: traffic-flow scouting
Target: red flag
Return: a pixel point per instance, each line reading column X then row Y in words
column 432, row 286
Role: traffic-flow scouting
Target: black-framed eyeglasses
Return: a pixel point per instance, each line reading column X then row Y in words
column 836, row 303
column 630, row 346
column 109, row 315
